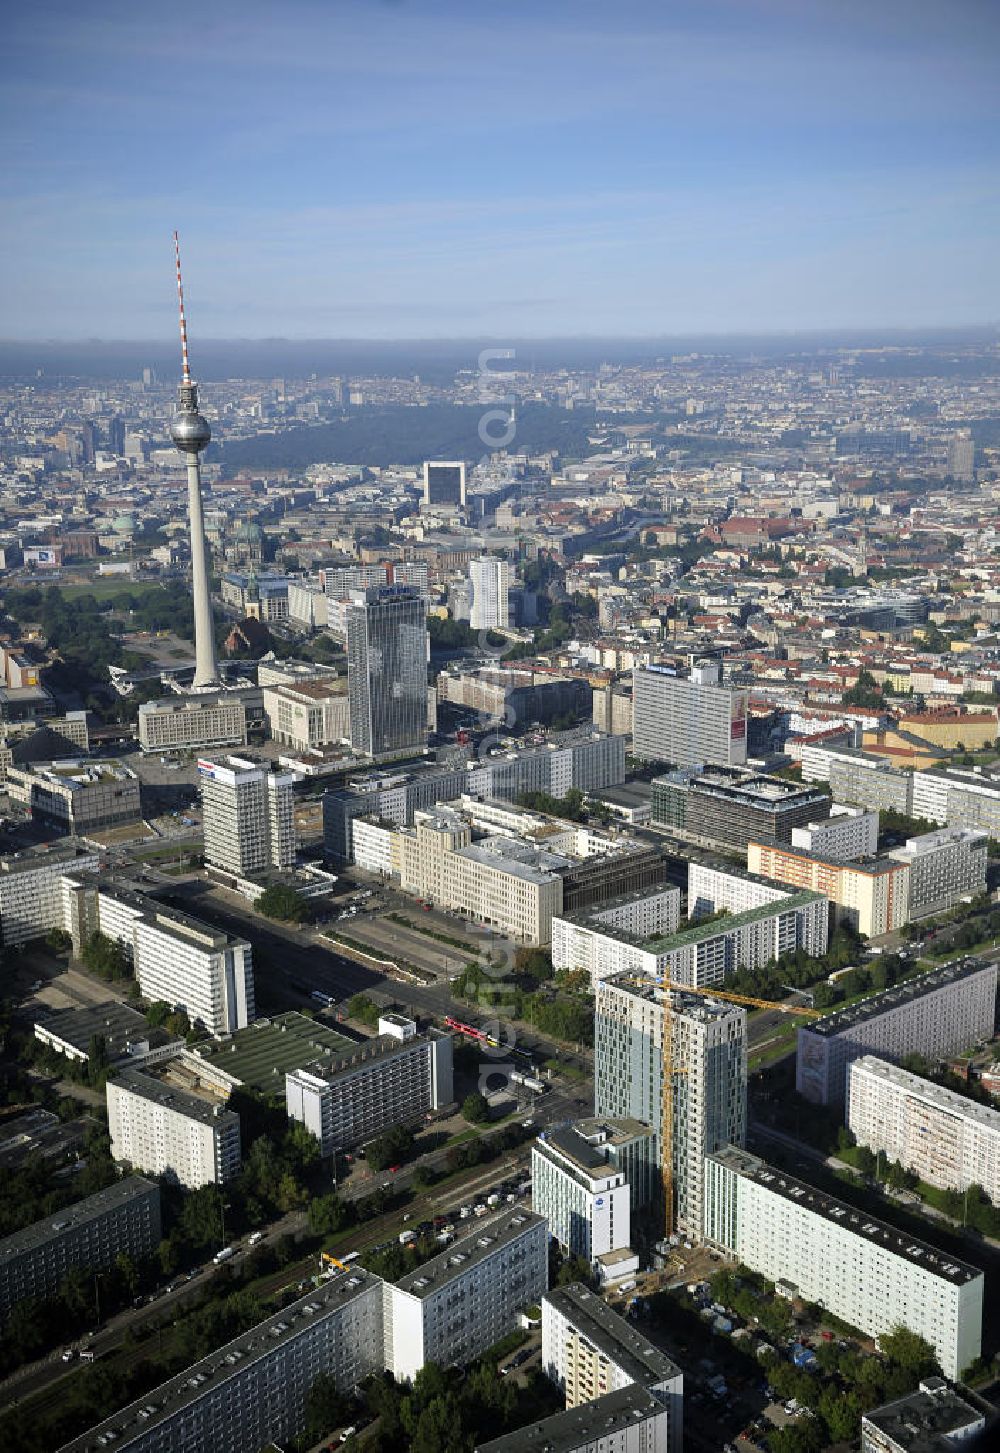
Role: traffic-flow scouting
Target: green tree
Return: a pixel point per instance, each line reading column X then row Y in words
column 326, row 1406
column 365, row 1010
column 282, row 902
column 909, row 1351
column 475, row 1108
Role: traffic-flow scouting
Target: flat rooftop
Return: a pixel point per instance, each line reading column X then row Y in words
column 119, row 1024
column 898, row 996
column 718, row 927
column 30, row 861
column 919, row 1253
column 923, row 1420
column 203, row 1377
column 207, row 1106
column 617, row 1339
column 91, row 1208
column 941, row 1098
column 700, row 1007
column 581, row 1427
column 262, row 1054
column 457, row 1260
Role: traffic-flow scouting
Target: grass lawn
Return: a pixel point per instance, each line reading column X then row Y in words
column 108, row 589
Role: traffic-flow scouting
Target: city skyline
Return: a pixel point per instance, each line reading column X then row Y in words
column 405, row 171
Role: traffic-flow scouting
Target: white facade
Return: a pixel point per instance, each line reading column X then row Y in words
column 849, row 832
column 309, row 716
column 32, row 893
column 688, row 721
column 193, row 721
column 945, row 866
column 869, row 1274
column 584, row 1200
column 197, row 968
column 490, row 586
column 946, row 1139
column 373, row 846
column 458, row 1304
column 249, row 822
column 163, row 1130
column 938, row 1014
column 387, row 1082
column 307, row 605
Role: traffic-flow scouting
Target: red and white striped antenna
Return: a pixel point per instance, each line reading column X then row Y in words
column 186, row 370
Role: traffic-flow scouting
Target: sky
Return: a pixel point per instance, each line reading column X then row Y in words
column 446, row 168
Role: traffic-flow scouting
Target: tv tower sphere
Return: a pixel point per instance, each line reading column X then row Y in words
column 189, row 429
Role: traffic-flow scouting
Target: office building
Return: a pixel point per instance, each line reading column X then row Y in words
column 252, row 1392
column 944, row 867
column 32, row 892
column 123, row 1219
column 589, row 1351
column 931, row 1420
column 962, row 456
column 354, row 1095
column 77, row 797
column 946, row 1139
column 708, row 1051
column 170, row 1119
column 308, row 716
column 387, row 671
column 455, row 1306
column 193, row 721
column 249, row 823
column 584, row 1199
column 490, row 579
column 827, row 1251
column 729, row 808
column 688, row 721
column 583, row 759
column 444, row 482
column 873, row 895
column 514, row 696
column 936, row 1015
column 848, row 833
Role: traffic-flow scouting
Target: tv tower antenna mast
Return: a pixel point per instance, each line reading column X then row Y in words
column 191, row 434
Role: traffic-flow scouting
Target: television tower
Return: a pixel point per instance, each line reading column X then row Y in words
column 190, row 432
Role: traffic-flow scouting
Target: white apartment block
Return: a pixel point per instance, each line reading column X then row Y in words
column 390, row 1080
column 709, row 1055
column 164, row 1130
column 937, row 1014
column 869, row 1274
column 307, row 605
column 124, row 1217
column 490, row 579
column 848, row 833
column 308, row 716
column 510, row 885
column 373, row 847
column 960, row 797
column 589, row 1351
column 946, row 1139
column 459, row 1303
column 872, row 896
column 764, row 921
column 584, row 1199
column 32, row 895
column 688, row 721
column 192, row 721
column 630, row 1421
column 249, row 822
column 945, row 867
column 252, row 1392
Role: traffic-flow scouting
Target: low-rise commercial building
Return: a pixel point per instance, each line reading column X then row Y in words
column 182, row 722
column 937, row 1014
column 461, row 1302
column 946, row 1139
column 32, row 891
column 394, row 1079
column 123, row 1219
column 252, row 1392
column 931, row 1420
column 171, row 1119
column 862, row 1270
column 516, row 696
column 77, row 798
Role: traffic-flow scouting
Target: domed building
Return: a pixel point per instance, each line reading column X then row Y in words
column 246, row 544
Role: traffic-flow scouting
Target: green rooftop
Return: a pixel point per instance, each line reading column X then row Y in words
column 699, row 932
column 262, row 1054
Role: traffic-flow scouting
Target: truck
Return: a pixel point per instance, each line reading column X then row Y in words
column 224, row 1255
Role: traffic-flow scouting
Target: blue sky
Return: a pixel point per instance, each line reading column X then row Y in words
column 423, row 168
